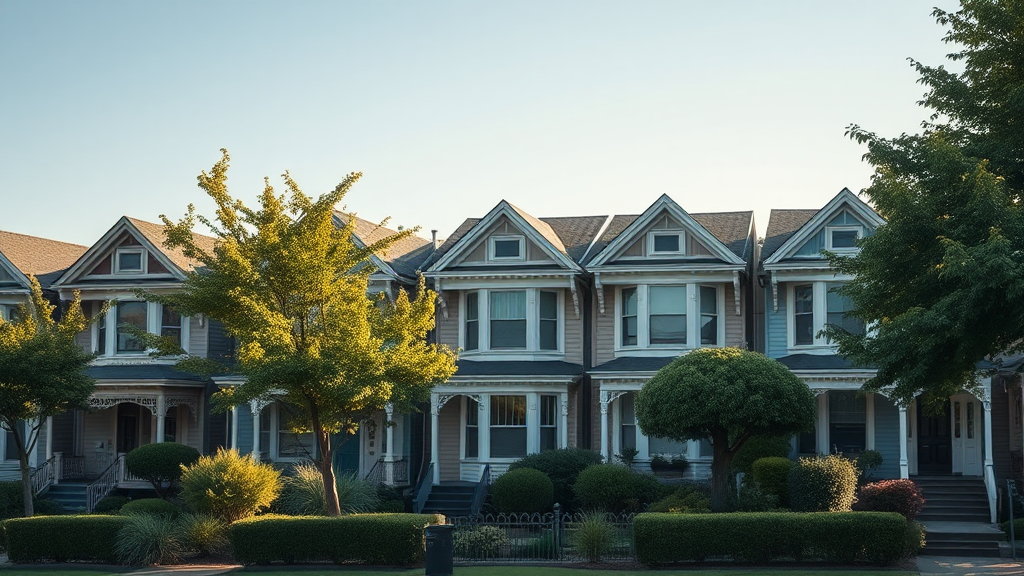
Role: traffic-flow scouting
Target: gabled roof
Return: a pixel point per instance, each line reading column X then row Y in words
column 41, row 257
column 403, row 258
column 151, row 236
column 565, row 239
column 781, row 225
column 726, row 234
column 794, row 239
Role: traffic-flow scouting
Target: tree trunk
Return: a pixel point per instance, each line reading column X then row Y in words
column 721, row 467
column 327, row 471
column 26, row 483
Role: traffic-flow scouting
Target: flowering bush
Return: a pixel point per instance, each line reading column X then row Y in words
column 481, row 542
column 901, row 496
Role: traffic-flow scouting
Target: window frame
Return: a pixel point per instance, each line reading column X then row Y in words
column 117, row 327
column 525, row 426
column 829, row 230
column 525, row 321
column 143, row 260
column 643, row 345
column 273, row 451
column 491, row 252
column 533, row 322
column 685, row 314
column 681, row 234
column 813, row 313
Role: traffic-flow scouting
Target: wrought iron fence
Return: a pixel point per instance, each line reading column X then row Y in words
column 43, row 476
column 553, row 536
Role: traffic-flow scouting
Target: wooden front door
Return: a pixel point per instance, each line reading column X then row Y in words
column 934, row 444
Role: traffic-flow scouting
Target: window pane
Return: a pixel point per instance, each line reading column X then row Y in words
column 629, row 301
column 508, row 305
column 549, row 320
column 803, row 315
column 844, row 238
column 629, row 331
column 804, row 296
column 508, row 410
column 666, row 446
column 127, row 261
column 508, row 334
column 10, row 448
column 472, row 306
column 666, row 329
column 708, row 300
column 134, row 314
column 472, row 430
column 548, row 422
column 847, row 416
column 549, row 305
column 506, row 248
column 804, row 326
column 508, row 442
column 667, row 299
column 709, row 330
column 472, row 324
column 837, row 307
column 666, row 243
column 170, row 324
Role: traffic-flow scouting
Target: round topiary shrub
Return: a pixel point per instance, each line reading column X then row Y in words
column 150, row 506
column 902, row 496
column 614, row 488
column 772, row 475
column 757, row 447
column 522, row 491
column 229, row 486
column 110, row 505
column 160, row 464
column 562, row 466
column 822, row 484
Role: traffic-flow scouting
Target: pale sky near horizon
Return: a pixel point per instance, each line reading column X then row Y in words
column 111, row 108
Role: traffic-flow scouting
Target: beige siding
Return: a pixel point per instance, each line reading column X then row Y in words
column 478, row 254
column 84, row 339
column 193, row 434
column 734, row 326
column 604, row 328
column 448, row 328
column 573, row 330
column 198, row 337
column 637, row 248
column 571, row 418
column 98, row 427
column 449, row 422
column 535, row 254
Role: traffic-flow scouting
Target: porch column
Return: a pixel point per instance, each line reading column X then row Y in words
column 234, row 427
column 869, row 421
column 990, row 477
column 904, row 462
column 532, row 423
column 255, row 408
column 49, row 437
column 435, row 444
column 161, row 415
column 389, row 454
column 822, row 425
column 563, row 423
column 604, row 426
column 483, row 430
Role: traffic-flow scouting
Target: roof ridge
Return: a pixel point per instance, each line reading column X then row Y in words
column 42, row 238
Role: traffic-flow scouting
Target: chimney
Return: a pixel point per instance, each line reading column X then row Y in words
column 433, row 238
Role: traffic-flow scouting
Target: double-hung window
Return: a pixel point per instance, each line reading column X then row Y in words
column 472, row 446
column 548, row 320
column 503, row 320
column 667, row 319
column 629, row 316
column 837, row 311
column 130, row 314
column 508, row 319
column 803, row 315
column 508, row 426
column 472, row 321
column 708, row 316
column 170, row 324
column 548, row 422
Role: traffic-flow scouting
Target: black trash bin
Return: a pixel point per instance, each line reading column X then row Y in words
column 439, row 550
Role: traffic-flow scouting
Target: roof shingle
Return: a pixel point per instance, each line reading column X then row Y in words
column 41, row 257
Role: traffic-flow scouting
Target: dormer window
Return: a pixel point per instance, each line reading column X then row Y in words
column 129, row 261
column 842, row 238
column 506, row 248
column 666, row 242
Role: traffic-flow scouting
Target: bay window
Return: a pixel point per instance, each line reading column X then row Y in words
column 277, row 441
column 669, row 316
column 130, row 314
column 510, row 321
column 508, row 426
column 837, row 311
column 813, row 306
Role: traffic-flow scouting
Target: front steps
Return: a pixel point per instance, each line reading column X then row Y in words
column 70, row 495
column 451, row 499
column 956, row 517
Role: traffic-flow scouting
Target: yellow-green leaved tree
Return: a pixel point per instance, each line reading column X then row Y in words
column 291, row 288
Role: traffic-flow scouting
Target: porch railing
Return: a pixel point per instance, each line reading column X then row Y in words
column 44, row 476
column 389, row 473
column 480, row 492
column 72, row 467
column 423, row 490
column 105, row 484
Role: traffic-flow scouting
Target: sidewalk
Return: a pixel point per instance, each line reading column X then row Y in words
column 947, row 566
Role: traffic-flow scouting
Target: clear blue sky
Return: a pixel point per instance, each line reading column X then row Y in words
column 561, row 107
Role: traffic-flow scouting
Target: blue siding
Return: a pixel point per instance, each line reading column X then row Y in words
column 887, row 437
column 813, row 245
column 775, row 341
column 244, row 442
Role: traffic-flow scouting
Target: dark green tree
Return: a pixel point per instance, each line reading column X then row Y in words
column 942, row 281
column 725, row 395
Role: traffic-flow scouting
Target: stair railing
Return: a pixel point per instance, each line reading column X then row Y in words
column 480, row 491
column 105, row 484
column 44, row 476
column 423, row 490
column 72, row 467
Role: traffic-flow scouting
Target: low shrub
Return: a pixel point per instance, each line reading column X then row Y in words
column 902, row 496
column 757, row 447
column 522, row 491
column 592, row 537
column 822, row 484
column 562, row 466
column 148, row 539
column 760, row 537
column 160, row 464
column 772, row 476
column 614, row 488
column 1018, row 529
column 11, row 500
column 915, row 539
column 110, row 505
column 47, row 507
column 389, row 500
column 201, row 534
column 687, row 499
column 151, row 506
column 383, row 539
column 63, row 538
column 752, row 499
column 3, row 537
column 229, row 486
column 867, row 462
column 302, row 493
column 480, row 542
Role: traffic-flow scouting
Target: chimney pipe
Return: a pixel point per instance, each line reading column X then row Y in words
column 433, row 238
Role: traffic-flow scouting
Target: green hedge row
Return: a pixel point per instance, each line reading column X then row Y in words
column 63, row 538
column 395, row 539
column 760, row 537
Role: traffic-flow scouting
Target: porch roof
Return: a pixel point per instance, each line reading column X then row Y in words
column 141, row 372
column 818, row 362
column 518, row 368
column 635, row 364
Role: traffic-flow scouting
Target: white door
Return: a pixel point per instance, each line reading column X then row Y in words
column 956, row 424
column 965, row 415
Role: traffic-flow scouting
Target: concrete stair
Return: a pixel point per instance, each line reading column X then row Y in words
column 953, row 499
column 451, row 499
column 977, row 540
column 70, row 495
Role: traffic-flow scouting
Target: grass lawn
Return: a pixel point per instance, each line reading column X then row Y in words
column 484, row 571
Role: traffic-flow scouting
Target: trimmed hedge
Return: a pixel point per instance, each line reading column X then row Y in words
column 150, row 506
column 522, row 491
column 562, row 466
column 772, row 475
column 63, row 538
column 760, row 537
column 617, row 489
column 382, row 539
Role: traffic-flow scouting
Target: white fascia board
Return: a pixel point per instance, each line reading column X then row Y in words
column 632, row 276
column 507, row 282
column 104, row 244
column 846, row 197
column 494, row 386
column 826, row 275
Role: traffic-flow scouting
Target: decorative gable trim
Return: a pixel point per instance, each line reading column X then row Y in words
column 846, row 199
column 666, row 204
column 106, row 246
column 471, row 238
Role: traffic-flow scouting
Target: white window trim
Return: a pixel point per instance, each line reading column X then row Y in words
column 532, row 325
column 846, row 228
column 275, row 435
column 154, row 318
column 3, row 443
column 692, row 319
column 522, row 248
column 682, row 242
column 819, row 314
column 143, row 260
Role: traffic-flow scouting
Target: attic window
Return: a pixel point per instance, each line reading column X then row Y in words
column 507, row 248
column 129, row 260
column 666, row 242
column 842, row 238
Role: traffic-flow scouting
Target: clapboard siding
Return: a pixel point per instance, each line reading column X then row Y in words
column 448, row 328
column 735, row 333
column 573, row 330
column 604, row 328
column 776, row 342
column 448, row 439
column 887, row 437
column 198, row 337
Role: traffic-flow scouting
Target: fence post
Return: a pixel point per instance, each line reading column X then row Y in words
column 556, row 530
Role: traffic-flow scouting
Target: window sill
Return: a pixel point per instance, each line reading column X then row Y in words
column 504, row 355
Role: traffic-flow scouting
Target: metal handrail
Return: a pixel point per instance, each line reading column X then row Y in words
column 43, row 476
column 103, row 485
column 423, row 490
column 480, row 492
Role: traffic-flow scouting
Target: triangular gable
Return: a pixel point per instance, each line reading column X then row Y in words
column 124, row 233
column 378, row 262
column 10, row 275
column 704, row 242
column 533, row 229
column 501, row 227
column 845, row 209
